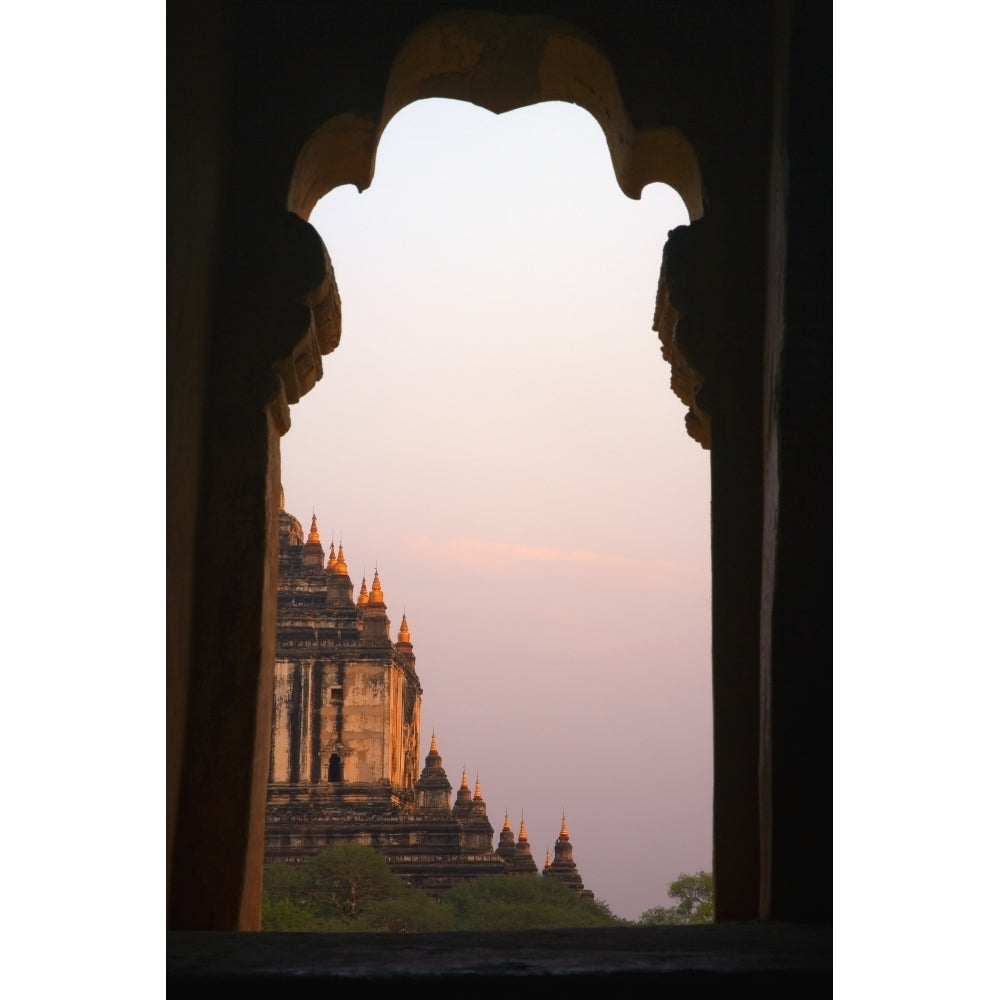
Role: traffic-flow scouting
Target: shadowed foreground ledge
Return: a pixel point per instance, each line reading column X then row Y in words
column 722, row 959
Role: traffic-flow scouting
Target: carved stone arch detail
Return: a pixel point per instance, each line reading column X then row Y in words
column 499, row 63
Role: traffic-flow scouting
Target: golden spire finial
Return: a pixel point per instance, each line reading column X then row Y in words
column 363, row 594
column 523, row 834
column 332, row 564
column 465, row 780
column 404, row 630
column 506, row 820
column 340, row 566
column 564, row 833
column 376, row 595
column 548, row 860
column 314, row 533
column 478, row 793
column 434, row 743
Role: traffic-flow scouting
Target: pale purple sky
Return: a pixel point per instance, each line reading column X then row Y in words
column 497, row 432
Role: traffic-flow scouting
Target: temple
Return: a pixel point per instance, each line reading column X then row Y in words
column 345, row 737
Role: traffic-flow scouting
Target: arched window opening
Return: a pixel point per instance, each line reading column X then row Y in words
column 546, row 527
column 334, row 772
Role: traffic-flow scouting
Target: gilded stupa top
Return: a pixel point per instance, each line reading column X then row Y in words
column 404, row 630
column 376, row 594
column 564, row 833
column 340, row 566
column 363, row 594
column 313, row 533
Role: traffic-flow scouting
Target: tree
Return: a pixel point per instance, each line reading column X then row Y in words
column 346, row 887
column 604, row 908
column 515, row 902
column 696, row 905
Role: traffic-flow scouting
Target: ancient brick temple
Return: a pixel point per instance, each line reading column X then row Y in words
column 345, row 737
column 346, row 697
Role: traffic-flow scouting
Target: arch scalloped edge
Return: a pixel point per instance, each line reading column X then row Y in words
column 665, row 155
column 340, row 151
column 459, row 56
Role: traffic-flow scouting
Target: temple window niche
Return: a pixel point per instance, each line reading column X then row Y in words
column 496, row 431
column 334, row 772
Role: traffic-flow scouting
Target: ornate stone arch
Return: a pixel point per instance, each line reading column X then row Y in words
column 499, row 63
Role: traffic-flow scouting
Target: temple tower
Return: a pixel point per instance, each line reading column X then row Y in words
column 433, row 786
column 477, row 831
column 562, row 866
column 506, row 848
column 346, row 708
column 312, row 551
column 376, row 617
column 522, row 863
column 463, row 799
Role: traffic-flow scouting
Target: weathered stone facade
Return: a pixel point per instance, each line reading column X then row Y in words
column 345, row 735
column 337, row 675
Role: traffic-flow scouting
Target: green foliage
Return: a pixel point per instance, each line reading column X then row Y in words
column 347, row 887
column 657, row 915
column 604, row 908
column 516, row 902
column 696, row 906
column 412, row 912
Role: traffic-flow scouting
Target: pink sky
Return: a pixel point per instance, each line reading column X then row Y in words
column 497, row 433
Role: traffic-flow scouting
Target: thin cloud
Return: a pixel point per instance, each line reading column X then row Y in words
column 503, row 555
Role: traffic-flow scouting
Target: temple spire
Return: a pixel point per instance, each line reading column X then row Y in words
column 332, row 563
column 312, row 551
column 363, row 595
column 433, row 788
column 520, row 862
column 562, row 865
column 477, row 795
column 340, row 566
column 404, row 630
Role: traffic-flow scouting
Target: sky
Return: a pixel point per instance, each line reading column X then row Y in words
column 496, row 434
